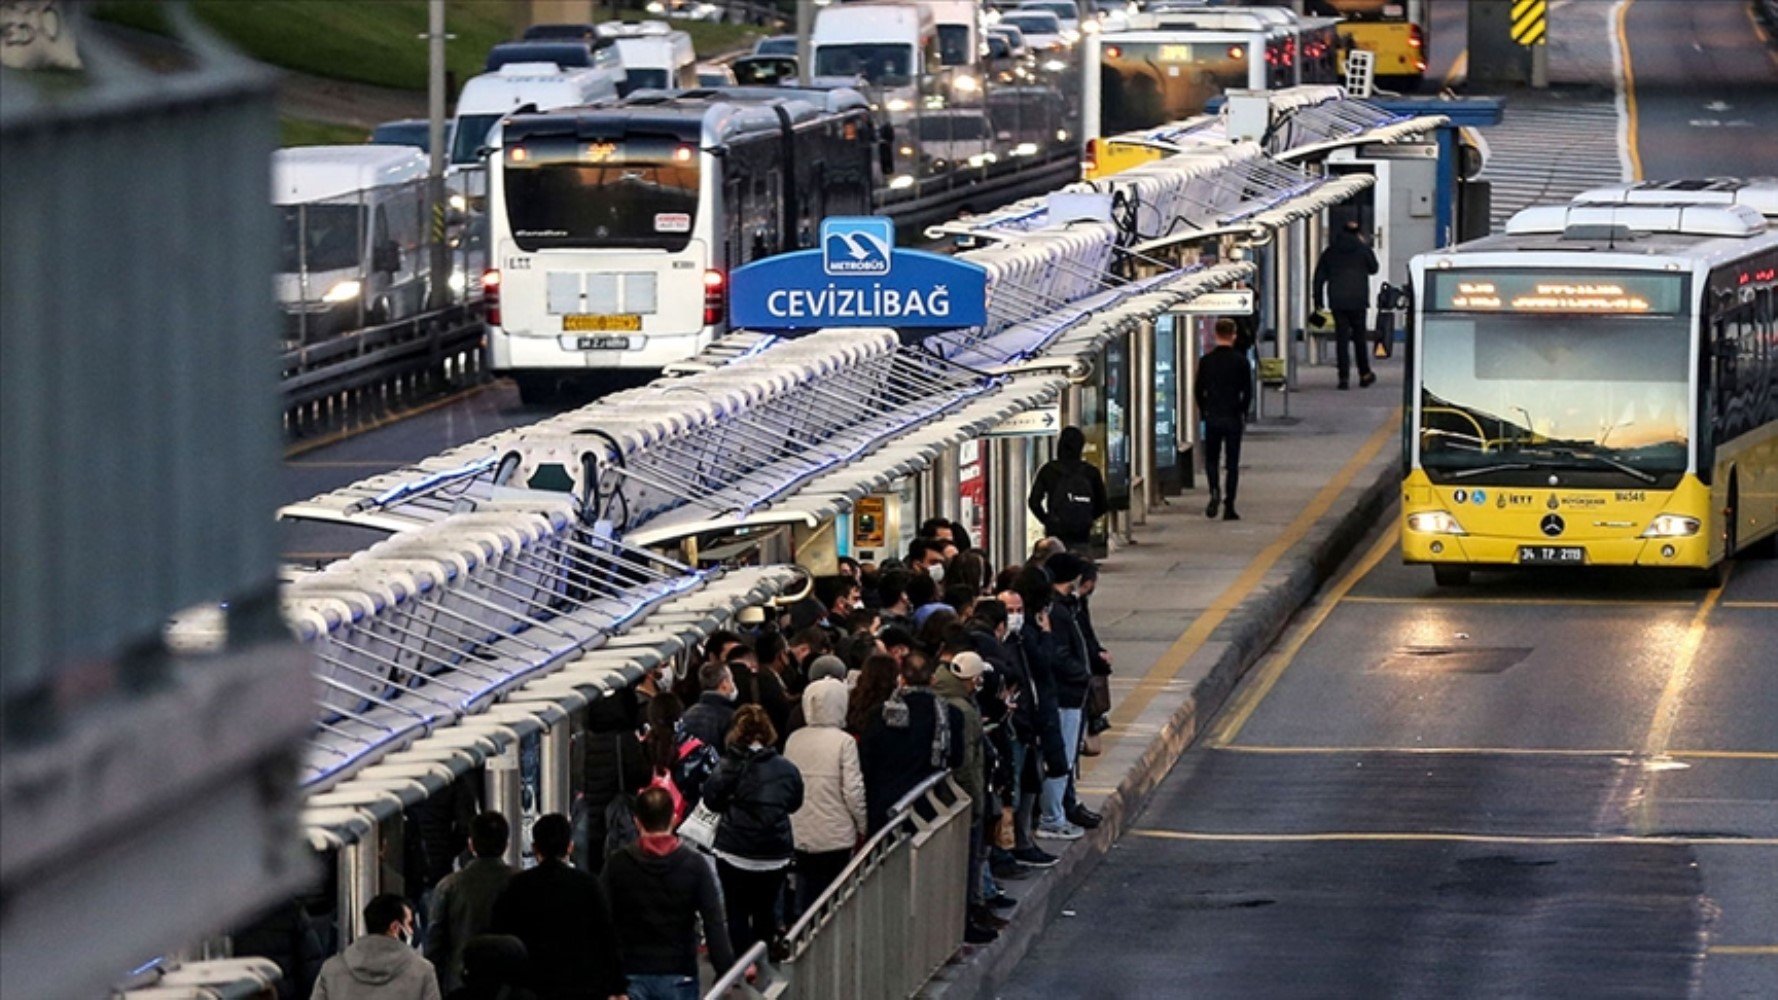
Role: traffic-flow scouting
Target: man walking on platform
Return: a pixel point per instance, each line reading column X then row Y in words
column 1224, row 390
column 1068, row 494
column 463, row 904
column 1343, row 282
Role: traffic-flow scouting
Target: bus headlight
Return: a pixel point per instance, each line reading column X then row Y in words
column 343, row 291
column 900, row 104
column 1435, row 522
column 1672, row 526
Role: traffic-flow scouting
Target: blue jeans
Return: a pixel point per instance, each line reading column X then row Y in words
column 663, row 988
column 1055, row 789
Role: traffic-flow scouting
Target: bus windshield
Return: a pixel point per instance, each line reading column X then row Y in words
column 881, row 64
column 635, row 192
column 1512, row 398
column 472, row 135
column 637, row 78
column 322, row 237
column 1144, row 84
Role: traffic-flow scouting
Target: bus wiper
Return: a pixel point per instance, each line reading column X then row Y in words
column 1484, row 470
column 1589, row 456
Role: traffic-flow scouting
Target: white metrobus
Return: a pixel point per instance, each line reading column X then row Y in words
column 614, row 229
column 1598, row 385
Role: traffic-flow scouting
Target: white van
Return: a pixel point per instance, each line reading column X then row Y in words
column 544, row 86
column 351, row 237
column 893, row 47
column 655, row 56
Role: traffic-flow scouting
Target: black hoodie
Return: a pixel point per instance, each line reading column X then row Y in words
column 1068, row 467
column 1343, row 274
column 659, row 898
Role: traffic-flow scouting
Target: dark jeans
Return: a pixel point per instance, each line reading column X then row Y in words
column 815, row 872
column 751, row 901
column 664, row 987
column 1349, row 326
column 1223, row 434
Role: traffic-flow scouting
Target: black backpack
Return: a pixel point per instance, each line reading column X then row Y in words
column 1070, row 500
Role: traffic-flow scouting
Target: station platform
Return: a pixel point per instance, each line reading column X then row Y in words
column 1193, row 603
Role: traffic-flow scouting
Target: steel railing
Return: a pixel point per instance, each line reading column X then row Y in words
column 888, row 921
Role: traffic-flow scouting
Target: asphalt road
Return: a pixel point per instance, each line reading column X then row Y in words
column 1550, row 786
column 1704, row 82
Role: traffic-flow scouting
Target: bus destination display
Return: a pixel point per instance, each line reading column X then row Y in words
column 1597, row 292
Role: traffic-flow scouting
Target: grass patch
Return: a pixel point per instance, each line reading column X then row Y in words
column 366, row 41
column 302, row 132
column 374, row 41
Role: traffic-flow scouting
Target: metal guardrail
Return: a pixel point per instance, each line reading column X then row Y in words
column 379, row 368
column 888, row 922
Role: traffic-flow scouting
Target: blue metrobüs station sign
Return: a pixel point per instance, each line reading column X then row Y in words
column 858, row 278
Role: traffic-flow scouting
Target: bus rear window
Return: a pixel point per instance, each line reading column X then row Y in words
column 638, row 192
column 1144, row 84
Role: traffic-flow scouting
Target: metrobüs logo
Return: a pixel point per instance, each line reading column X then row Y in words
column 857, row 245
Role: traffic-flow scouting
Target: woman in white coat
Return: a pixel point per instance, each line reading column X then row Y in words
column 832, row 819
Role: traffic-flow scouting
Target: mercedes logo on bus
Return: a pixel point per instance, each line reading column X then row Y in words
column 1552, row 525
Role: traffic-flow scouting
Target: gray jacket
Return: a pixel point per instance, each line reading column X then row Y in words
column 377, row 967
column 462, row 907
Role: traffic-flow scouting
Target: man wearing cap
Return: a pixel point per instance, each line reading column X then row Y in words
column 959, row 677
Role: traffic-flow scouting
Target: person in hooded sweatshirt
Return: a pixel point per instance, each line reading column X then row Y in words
column 662, row 887
column 832, row 817
column 1343, row 282
column 1068, row 494
column 754, row 791
column 381, row 965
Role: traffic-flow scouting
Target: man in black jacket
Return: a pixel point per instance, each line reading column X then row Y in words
column 1068, row 494
column 562, row 916
column 662, row 887
column 709, row 717
column 905, row 743
column 463, row 904
column 1343, row 282
column 1224, row 390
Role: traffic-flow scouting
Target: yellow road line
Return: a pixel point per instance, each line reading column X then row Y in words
column 1742, row 949
column 1229, row 725
column 1759, row 31
column 303, row 448
column 1201, row 628
column 1660, row 730
column 1459, row 70
column 1261, row 748
column 1523, row 601
column 1410, row 837
column 1631, row 133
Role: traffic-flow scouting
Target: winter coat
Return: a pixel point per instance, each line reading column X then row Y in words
column 832, row 817
column 709, row 718
column 1040, row 652
column 1224, row 386
column 561, row 915
column 462, row 907
column 1073, row 672
column 898, row 747
column 661, row 896
column 755, row 791
column 1343, row 273
column 377, row 967
column 971, row 774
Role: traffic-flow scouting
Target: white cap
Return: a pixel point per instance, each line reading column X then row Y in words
column 969, row 665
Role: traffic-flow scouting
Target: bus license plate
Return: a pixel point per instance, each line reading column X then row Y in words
column 602, row 344
column 591, row 323
column 1552, row 555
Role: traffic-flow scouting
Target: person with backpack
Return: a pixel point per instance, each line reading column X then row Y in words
column 754, row 791
column 1068, row 494
column 678, row 762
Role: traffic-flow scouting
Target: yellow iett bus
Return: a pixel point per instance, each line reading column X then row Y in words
column 1394, row 31
column 1598, row 386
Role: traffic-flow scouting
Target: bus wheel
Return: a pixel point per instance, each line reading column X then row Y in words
column 1450, row 576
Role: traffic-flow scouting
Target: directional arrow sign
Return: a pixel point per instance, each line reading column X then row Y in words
column 1030, row 423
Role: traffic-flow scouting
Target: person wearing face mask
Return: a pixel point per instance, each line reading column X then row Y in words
column 381, row 965
column 1073, row 681
column 755, row 791
column 927, row 555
